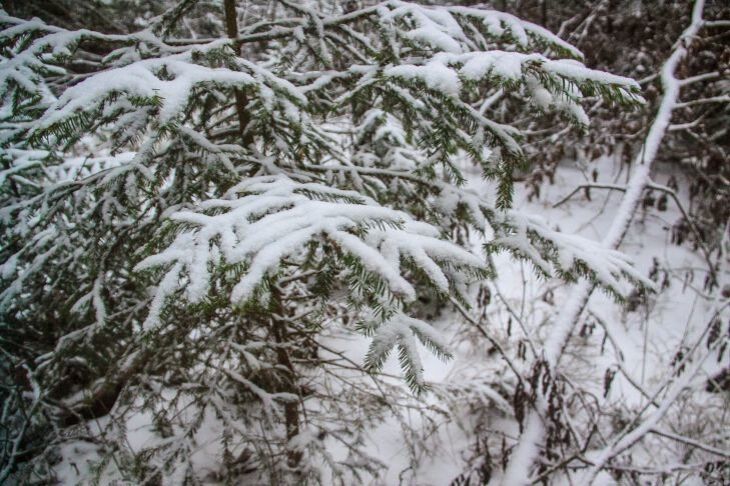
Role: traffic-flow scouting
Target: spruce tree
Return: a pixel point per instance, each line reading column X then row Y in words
column 189, row 209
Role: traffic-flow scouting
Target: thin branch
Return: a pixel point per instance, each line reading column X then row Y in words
column 685, row 126
column 701, row 101
column 690, row 222
column 675, row 198
column 716, row 23
column 465, row 314
column 638, row 428
column 691, row 442
column 610, row 187
column 699, row 77
column 620, row 359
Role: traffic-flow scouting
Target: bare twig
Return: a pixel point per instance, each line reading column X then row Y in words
column 691, row 442
column 610, row 187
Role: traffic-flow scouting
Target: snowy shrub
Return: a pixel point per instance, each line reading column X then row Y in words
column 188, row 211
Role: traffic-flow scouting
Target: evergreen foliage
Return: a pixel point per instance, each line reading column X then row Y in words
column 185, row 217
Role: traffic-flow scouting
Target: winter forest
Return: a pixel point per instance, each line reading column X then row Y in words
column 342, row 242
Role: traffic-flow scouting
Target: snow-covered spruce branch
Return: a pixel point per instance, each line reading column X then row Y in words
column 402, row 331
column 276, row 217
column 528, row 447
column 443, row 71
column 527, row 236
column 209, row 161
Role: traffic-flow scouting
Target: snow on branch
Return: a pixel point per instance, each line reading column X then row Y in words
column 443, row 28
column 553, row 251
column 560, row 83
column 166, row 83
column 32, row 49
column 266, row 219
column 460, row 53
column 127, row 90
column 401, row 331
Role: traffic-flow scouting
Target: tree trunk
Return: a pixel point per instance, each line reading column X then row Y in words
column 291, row 412
column 229, row 7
